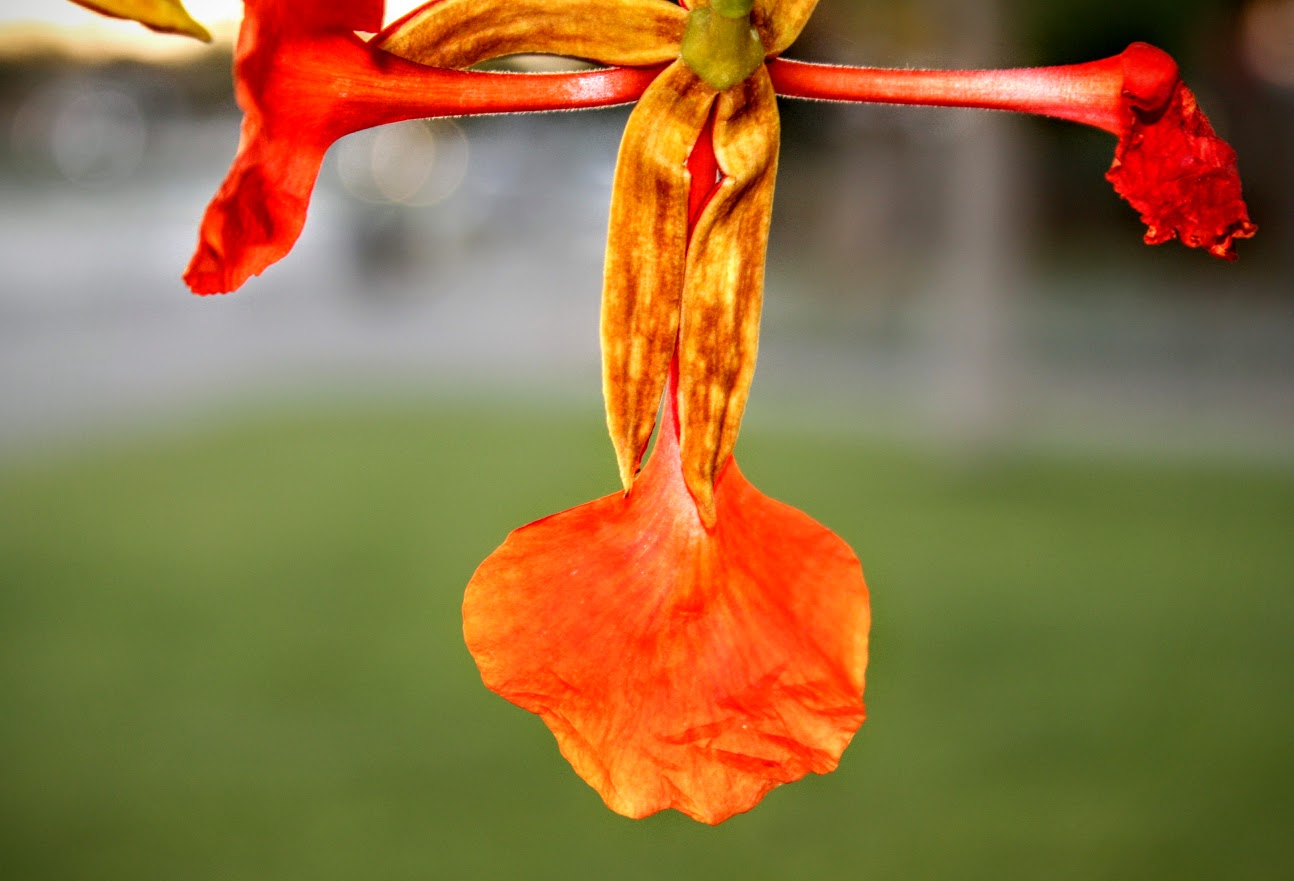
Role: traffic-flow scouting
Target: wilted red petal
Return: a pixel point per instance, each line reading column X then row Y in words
column 304, row 79
column 1171, row 166
column 678, row 667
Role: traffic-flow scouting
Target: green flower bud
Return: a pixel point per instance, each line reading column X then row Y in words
column 720, row 45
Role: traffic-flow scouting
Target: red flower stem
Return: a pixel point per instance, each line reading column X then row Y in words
column 398, row 89
column 1088, row 93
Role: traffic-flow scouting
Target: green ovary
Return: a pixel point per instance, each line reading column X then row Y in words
column 720, row 45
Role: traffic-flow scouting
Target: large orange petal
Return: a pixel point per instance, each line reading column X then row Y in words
column 678, row 666
column 646, row 257
column 460, row 33
column 723, row 294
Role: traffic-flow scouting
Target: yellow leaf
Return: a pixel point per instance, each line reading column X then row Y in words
column 164, row 16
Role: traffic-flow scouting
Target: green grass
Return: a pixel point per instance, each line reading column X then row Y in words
column 236, row 655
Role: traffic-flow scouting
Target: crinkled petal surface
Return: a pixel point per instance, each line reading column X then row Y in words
column 678, row 667
column 1171, row 166
column 164, row 16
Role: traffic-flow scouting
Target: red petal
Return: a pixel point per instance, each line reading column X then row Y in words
column 304, row 79
column 678, row 667
column 1171, row 166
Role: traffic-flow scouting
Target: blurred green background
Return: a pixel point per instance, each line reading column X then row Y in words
column 234, row 532
column 236, row 654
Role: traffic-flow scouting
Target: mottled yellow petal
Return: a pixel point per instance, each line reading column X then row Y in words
column 724, row 289
column 166, row 16
column 460, row 33
column 646, row 257
column 779, row 22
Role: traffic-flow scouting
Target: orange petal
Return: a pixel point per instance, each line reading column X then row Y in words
column 164, row 16
column 1171, row 166
column 678, row 666
column 779, row 22
column 723, row 293
column 460, row 33
column 646, row 255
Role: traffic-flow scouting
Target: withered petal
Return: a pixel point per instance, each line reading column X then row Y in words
column 724, row 287
column 1171, row 166
column 460, row 33
column 780, row 22
column 678, row 666
column 646, row 257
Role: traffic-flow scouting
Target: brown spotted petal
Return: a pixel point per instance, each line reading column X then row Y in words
column 646, row 257
column 725, row 284
column 460, row 33
column 779, row 22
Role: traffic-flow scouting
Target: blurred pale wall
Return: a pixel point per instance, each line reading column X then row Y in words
column 971, row 274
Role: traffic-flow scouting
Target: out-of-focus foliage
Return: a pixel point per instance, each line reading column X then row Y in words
column 239, row 655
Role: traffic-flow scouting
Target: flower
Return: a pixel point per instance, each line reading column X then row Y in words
column 690, row 642
column 660, row 634
column 164, row 16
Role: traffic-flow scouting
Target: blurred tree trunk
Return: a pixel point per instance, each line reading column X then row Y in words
column 978, row 282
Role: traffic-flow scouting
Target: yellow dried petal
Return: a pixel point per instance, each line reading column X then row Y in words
column 724, row 288
column 165, row 16
column 460, row 33
column 779, row 22
column 646, row 257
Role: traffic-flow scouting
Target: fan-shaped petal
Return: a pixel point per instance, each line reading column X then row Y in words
column 678, row 666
